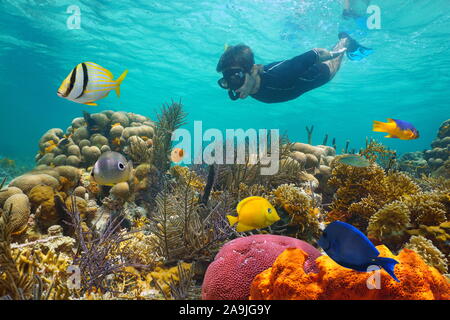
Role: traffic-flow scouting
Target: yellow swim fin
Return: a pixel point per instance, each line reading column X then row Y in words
column 119, row 82
column 232, row 220
column 91, row 104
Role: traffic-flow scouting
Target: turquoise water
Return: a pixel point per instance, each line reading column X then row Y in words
column 171, row 49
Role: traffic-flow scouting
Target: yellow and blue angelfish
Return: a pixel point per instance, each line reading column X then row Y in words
column 254, row 213
column 89, row 82
column 395, row 128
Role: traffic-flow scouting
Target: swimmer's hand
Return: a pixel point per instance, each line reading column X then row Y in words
column 247, row 87
column 251, row 84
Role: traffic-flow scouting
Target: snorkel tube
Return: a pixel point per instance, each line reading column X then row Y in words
column 233, row 95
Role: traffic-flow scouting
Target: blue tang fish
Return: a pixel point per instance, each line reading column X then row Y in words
column 350, row 248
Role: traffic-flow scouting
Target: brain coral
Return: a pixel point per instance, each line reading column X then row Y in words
column 27, row 182
column 230, row 274
column 287, row 280
column 20, row 211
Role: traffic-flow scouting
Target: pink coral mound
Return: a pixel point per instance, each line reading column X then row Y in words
column 231, row 273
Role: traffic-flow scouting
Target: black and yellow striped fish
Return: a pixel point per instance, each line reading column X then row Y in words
column 89, row 82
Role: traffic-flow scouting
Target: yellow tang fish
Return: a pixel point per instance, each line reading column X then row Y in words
column 254, row 213
column 89, row 82
column 396, row 128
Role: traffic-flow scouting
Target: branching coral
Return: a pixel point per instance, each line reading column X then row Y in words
column 13, row 283
column 26, row 273
column 429, row 253
column 51, row 269
column 353, row 184
column 377, row 152
column 437, row 184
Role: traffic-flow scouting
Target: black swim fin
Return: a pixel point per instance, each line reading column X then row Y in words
column 355, row 51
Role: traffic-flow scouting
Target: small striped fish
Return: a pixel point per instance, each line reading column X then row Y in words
column 89, row 82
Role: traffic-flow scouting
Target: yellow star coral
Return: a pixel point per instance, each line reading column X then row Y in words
column 141, row 249
column 300, row 207
column 185, row 175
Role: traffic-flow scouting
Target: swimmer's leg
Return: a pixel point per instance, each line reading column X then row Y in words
column 333, row 58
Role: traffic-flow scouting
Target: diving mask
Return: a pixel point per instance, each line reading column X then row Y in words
column 232, row 80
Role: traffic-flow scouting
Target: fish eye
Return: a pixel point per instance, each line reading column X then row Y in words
column 269, row 210
column 121, row 166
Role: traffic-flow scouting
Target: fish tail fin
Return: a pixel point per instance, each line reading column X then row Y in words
column 232, row 220
column 379, row 126
column 387, row 264
column 119, row 82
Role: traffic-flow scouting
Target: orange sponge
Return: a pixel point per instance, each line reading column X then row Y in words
column 286, row 280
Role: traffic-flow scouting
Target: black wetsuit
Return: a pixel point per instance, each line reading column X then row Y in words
column 286, row 80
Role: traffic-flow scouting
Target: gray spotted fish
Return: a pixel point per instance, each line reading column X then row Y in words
column 354, row 161
column 89, row 82
column 111, row 168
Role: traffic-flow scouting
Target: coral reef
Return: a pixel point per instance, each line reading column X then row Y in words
column 361, row 192
column 230, row 274
column 378, row 153
column 155, row 235
column 303, row 210
column 434, row 161
column 389, row 224
column 316, row 160
column 439, row 235
column 414, row 163
column 88, row 137
column 428, row 252
column 19, row 206
column 28, row 181
column 286, row 279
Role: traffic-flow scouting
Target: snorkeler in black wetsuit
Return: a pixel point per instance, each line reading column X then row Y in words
column 284, row 80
